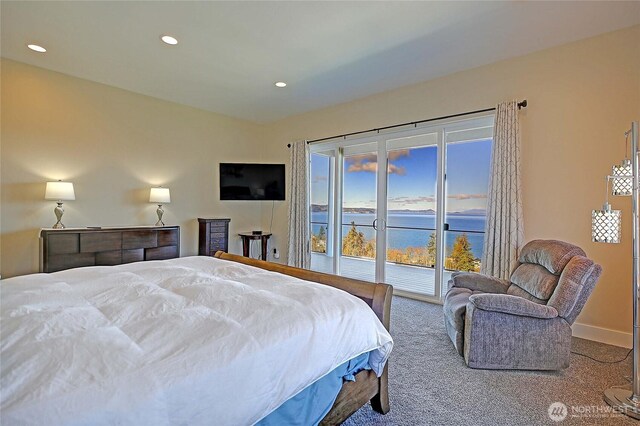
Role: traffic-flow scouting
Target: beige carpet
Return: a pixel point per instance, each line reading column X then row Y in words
column 429, row 383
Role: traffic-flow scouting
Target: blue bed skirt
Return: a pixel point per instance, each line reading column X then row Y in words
column 311, row 404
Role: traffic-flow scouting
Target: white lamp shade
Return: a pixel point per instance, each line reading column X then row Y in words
column 606, row 225
column 622, row 181
column 62, row 191
column 160, row 196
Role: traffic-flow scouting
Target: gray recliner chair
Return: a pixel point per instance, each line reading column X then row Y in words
column 524, row 323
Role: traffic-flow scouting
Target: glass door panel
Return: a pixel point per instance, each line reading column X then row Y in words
column 468, row 168
column 412, row 175
column 359, row 212
column 322, row 227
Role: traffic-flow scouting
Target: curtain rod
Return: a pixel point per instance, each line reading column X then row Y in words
column 521, row 105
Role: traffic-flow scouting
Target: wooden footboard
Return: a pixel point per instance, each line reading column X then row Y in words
column 367, row 386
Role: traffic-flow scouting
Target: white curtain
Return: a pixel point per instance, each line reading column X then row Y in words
column 299, row 248
column 504, row 230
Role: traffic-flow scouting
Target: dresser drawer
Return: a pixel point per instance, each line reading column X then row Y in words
column 61, row 262
column 63, row 244
column 168, row 238
column 218, row 244
column 218, row 235
column 222, row 229
column 104, row 241
column 160, row 253
column 140, row 239
column 108, row 258
column 133, row 255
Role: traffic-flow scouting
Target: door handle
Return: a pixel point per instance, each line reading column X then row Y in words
column 375, row 224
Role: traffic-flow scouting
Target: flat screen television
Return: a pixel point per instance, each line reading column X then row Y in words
column 250, row 181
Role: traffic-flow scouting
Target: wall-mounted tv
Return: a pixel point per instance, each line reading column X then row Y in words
column 250, row 181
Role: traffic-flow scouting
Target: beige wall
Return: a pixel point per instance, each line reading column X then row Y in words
column 113, row 145
column 582, row 97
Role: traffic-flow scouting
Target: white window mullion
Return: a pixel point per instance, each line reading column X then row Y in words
column 337, row 211
column 381, row 212
column 440, row 213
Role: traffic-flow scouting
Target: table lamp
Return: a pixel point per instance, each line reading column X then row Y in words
column 59, row 191
column 160, row 196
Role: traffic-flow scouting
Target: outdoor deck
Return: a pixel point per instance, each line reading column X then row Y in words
column 415, row 279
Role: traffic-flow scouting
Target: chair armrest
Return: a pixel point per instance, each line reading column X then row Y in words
column 513, row 305
column 479, row 282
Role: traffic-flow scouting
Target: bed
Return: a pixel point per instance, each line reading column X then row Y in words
column 195, row 340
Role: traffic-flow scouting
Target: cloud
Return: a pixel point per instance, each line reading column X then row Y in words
column 394, row 155
column 393, row 169
column 467, row 196
column 432, row 199
column 317, row 179
column 363, row 167
column 373, row 168
column 369, row 162
column 362, row 158
column 412, row 200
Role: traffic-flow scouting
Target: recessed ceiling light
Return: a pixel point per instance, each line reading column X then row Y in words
column 169, row 40
column 280, row 84
column 36, row 48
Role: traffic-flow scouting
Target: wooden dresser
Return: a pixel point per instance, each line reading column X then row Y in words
column 213, row 236
column 75, row 247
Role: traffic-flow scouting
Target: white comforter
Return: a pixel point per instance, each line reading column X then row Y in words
column 194, row 340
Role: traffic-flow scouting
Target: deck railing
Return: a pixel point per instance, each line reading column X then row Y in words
column 449, row 264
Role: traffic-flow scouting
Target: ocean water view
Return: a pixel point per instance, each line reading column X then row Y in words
column 421, row 227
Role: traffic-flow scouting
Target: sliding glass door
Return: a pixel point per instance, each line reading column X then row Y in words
column 411, row 209
column 321, row 211
column 468, row 164
column 359, row 215
column 405, row 208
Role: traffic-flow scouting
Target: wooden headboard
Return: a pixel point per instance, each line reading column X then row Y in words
column 76, row 247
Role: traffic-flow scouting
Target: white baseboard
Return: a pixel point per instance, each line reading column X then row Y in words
column 602, row 335
column 417, row 296
column 583, row 331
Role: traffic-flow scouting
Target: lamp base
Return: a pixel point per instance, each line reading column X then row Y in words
column 619, row 398
column 59, row 211
column 160, row 212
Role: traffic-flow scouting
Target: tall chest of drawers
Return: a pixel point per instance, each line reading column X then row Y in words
column 213, row 236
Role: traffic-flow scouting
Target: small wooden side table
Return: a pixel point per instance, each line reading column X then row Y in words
column 246, row 242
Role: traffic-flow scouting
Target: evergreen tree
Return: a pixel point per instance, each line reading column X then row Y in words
column 370, row 249
column 394, row 255
column 319, row 241
column 462, row 257
column 318, row 245
column 354, row 243
column 431, row 250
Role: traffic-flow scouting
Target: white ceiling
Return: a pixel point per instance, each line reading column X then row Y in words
column 230, row 53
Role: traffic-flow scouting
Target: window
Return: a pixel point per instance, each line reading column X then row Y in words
column 411, row 222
